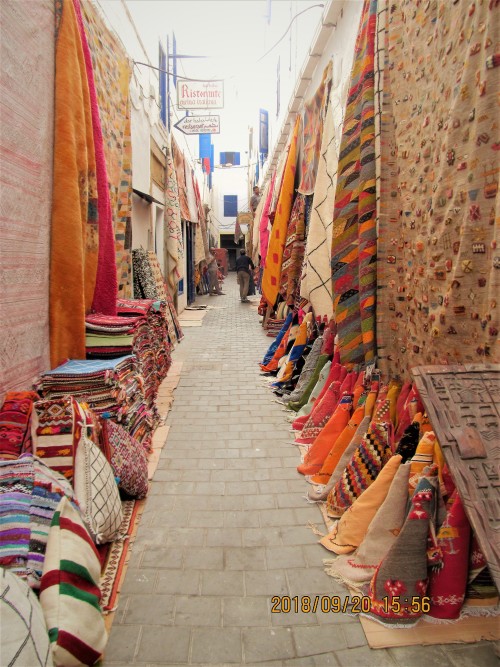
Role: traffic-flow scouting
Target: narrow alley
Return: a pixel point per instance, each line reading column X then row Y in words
column 226, row 528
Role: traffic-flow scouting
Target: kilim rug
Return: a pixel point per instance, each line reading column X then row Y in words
column 354, row 231
column 180, row 172
column 173, row 225
column 438, row 262
column 293, row 253
column 27, row 104
column 74, row 237
column 112, row 77
column 272, row 270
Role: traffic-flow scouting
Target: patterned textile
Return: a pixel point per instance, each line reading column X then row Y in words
column 438, row 276
column 366, row 463
column 261, row 225
column 174, row 226
column 157, row 275
column 408, row 444
column 25, row 640
column 70, row 592
column 354, row 231
column 400, row 580
column 128, row 460
column 320, row 448
column 26, row 145
column 303, row 334
column 57, row 430
column 423, row 457
column 349, row 532
column 448, row 580
column 180, row 171
column 112, row 73
column 359, row 568
column 316, row 286
column 15, row 424
column 312, row 133
column 338, row 447
column 293, row 253
column 275, row 344
column 272, row 269
column 97, row 493
column 74, row 237
column 322, row 410
column 144, row 277
column 336, row 373
column 307, row 370
column 280, row 351
column 106, row 286
column 314, row 389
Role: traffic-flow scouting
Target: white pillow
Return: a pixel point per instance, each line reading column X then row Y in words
column 97, row 492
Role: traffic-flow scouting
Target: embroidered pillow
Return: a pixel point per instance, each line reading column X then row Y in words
column 70, row 593
column 24, row 634
column 97, row 492
column 15, row 424
column 128, row 459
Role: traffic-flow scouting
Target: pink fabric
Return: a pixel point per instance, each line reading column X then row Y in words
column 106, row 287
column 264, row 223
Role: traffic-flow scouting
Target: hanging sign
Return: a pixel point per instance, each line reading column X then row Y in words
column 200, row 94
column 199, row 125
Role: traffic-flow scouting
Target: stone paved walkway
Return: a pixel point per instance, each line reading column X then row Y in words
column 226, row 528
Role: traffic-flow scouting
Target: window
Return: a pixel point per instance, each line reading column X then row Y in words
column 230, row 206
column 163, row 86
column 230, row 157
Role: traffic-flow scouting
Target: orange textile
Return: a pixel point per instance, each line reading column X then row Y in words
column 320, row 448
column 338, row 447
column 280, row 351
column 277, row 240
column 423, row 457
column 348, row 533
column 337, row 373
column 74, row 242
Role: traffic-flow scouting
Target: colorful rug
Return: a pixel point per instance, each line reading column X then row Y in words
column 312, row 133
column 180, row 171
column 354, row 230
column 112, row 75
column 307, row 371
column 74, row 239
column 438, row 267
column 272, row 269
column 293, row 253
column 174, row 271
column 26, row 146
column 106, row 287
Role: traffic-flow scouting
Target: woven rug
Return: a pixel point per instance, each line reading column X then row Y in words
column 272, row 269
column 112, row 77
column 293, row 253
column 312, row 133
column 74, row 238
column 27, row 104
column 173, row 225
column 180, row 171
column 354, row 230
column 436, row 272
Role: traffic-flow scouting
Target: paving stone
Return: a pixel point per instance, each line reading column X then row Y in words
column 298, row 535
column 254, row 537
column 262, row 644
column 318, row 639
column 281, row 517
column 259, row 502
column 241, row 488
column 184, row 537
column 471, row 656
column 224, row 537
column 284, row 557
column 161, row 557
column 245, row 611
column 309, row 581
column 145, row 610
column 216, row 646
column 164, row 644
column 292, row 500
column 178, row 583
column 223, row 583
column 266, row 583
column 203, row 558
column 206, row 519
column 366, row 657
column 123, row 643
column 241, row 519
column 424, row 656
column 139, row 581
column 197, row 611
column 246, row 559
column 354, row 636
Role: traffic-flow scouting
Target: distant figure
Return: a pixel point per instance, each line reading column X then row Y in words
column 244, row 266
column 254, row 199
column 213, row 278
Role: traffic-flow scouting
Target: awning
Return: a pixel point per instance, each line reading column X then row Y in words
column 149, row 198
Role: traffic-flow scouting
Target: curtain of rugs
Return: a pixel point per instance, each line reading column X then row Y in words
column 112, row 74
column 173, row 225
column 26, row 98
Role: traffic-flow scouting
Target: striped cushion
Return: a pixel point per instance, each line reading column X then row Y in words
column 24, row 635
column 70, row 593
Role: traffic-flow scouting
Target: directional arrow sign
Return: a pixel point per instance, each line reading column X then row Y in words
column 199, row 125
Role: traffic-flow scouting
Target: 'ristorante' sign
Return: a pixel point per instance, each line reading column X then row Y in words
column 200, row 94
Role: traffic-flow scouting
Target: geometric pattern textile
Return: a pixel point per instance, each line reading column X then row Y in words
column 439, row 262
column 15, row 424
column 25, row 640
column 97, row 493
column 112, row 74
column 26, row 145
column 173, row 225
column 128, row 460
column 307, row 370
column 293, row 253
column 70, row 592
column 354, row 219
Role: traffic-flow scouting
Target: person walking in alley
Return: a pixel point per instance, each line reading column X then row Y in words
column 244, row 266
column 213, row 270
column 254, row 199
